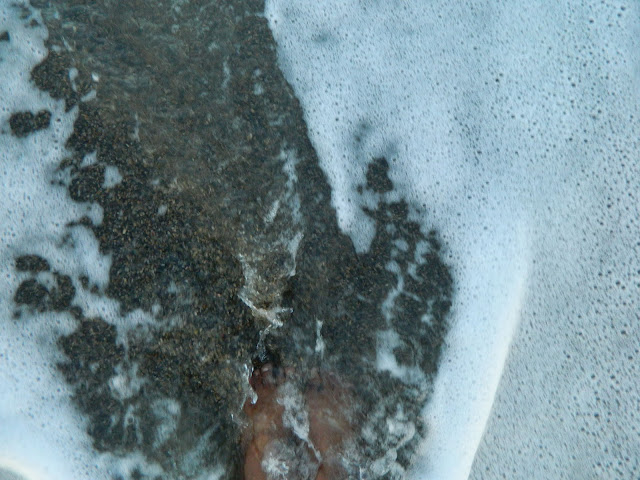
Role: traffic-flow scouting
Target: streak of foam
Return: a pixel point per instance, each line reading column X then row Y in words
column 256, row 289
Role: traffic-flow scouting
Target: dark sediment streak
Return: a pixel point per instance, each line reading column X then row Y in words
column 193, row 111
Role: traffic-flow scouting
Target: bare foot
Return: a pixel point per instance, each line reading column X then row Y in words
column 266, row 417
column 274, row 451
column 330, row 422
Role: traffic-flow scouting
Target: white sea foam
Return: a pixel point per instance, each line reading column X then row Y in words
column 112, row 177
column 514, row 124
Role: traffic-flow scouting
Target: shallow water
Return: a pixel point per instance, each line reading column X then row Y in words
column 410, row 197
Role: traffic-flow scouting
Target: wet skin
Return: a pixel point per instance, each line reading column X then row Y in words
column 326, row 400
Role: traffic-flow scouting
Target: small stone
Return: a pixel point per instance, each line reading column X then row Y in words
column 31, row 293
column 25, row 123
column 32, row 263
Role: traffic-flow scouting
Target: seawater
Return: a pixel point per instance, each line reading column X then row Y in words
column 474, row 190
